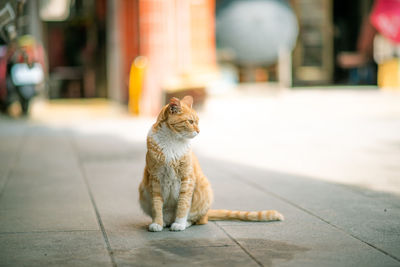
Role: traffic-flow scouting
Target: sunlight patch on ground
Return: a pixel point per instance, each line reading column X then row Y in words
column 350, row 137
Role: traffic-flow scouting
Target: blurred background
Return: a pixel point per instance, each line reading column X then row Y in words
column 140, row 52
column 308, row 87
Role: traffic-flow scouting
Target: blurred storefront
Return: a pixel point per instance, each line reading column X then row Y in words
column 323, row 32
column 91, row 45
column 74, row 37
column 330, row 29
column 313, row 57
column 177, row 38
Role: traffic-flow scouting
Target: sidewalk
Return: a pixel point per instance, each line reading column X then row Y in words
column 68, row 189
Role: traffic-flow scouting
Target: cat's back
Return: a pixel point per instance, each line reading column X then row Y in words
column 196, row 165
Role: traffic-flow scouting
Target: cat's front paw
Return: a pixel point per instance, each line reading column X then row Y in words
column 178, row 226
column 155, row 227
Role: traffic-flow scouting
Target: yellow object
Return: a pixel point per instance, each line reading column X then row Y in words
column 389, row 74
column 136, row 77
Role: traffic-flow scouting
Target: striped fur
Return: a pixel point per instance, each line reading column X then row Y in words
column 256, row 216
column 174, row 191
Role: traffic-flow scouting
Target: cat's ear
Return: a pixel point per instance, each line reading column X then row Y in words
column 188, row 100
column 174, row 105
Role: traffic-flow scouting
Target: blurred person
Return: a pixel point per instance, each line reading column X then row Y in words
column 384, row 19
column 22, row 60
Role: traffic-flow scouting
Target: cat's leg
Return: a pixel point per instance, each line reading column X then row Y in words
column 184, row 203
column 145, row 199
column 203, row 220
column 201, row 201
column 157, row 207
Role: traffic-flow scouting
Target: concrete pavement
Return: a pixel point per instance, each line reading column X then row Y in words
column 68, row 197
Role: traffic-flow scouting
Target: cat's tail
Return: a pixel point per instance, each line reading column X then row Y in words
column 256, row 216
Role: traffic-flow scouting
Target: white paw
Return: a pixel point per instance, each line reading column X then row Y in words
column 178, row 226
column 155, row 227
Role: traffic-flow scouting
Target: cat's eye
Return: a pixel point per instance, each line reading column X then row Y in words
column 191, row 121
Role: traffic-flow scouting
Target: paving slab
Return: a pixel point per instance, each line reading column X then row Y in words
column 319, row 246
column 39, row 202
column 45, row 190
column 301, row 240
column 76, row 248
column 370, row 216
column 177, row 253
column 106, row 147
column 48, row 150
column 113, row 180
column 11, row 138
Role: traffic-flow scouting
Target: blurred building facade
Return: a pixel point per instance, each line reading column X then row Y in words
column 91, row 44
column 324, row 30
column 329, row 28
column 177, row 37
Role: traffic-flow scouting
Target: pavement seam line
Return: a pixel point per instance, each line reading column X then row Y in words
column 17, row 157
column 98, row 217
column 260, row 188
column 237, row 243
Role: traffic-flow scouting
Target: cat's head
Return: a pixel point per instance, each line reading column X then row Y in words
column 180, row 117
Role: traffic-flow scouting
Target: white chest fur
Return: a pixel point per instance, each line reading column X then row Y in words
column 170, row 184
column 170, row 188
column 172, row 146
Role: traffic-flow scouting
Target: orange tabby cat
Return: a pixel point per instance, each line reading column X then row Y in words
column 174, row 190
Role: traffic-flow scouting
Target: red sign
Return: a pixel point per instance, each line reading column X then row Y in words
column 385, row 17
